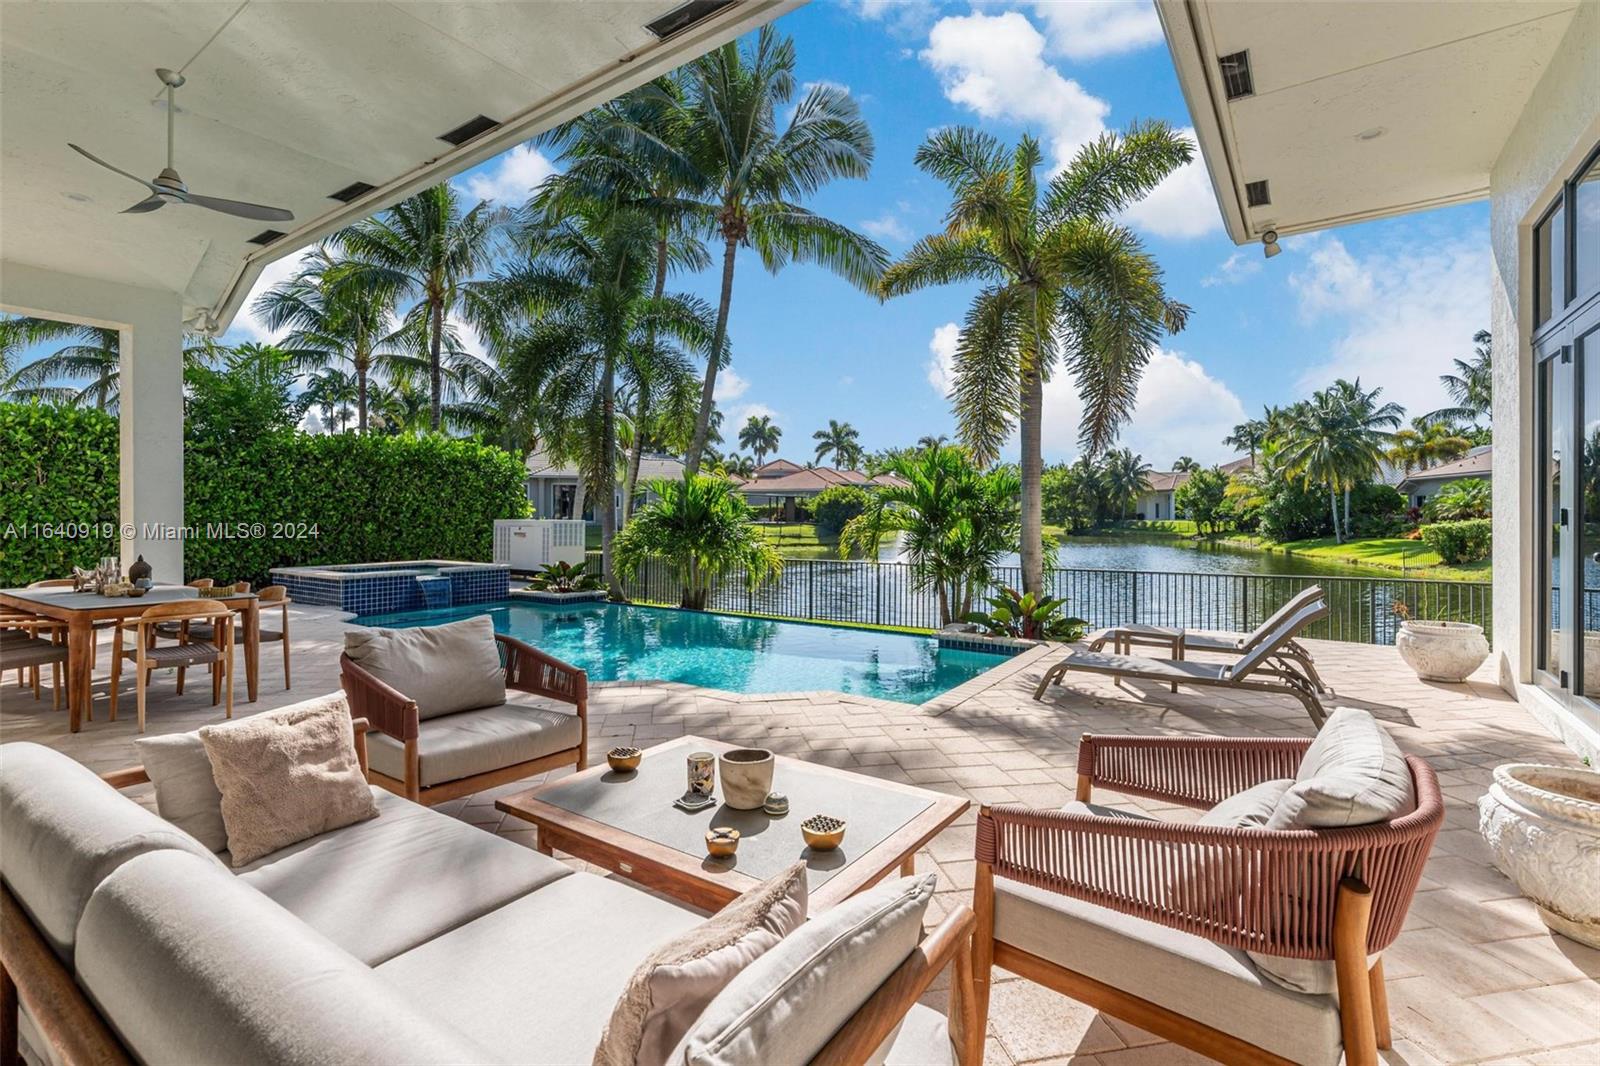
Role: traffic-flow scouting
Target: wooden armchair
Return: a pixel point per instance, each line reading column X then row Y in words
column 1315, row 894
column 395, row 715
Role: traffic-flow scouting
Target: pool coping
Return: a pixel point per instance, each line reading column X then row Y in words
column 395, row 568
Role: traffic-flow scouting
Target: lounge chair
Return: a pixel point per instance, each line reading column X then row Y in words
column 1180, row 641
column 1262, row 669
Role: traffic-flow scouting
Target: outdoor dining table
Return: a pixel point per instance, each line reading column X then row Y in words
column 80, row 610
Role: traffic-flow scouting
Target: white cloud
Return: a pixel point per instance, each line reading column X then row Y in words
column 1400, row 314
column 511, row 178
column 1088, row 29
column 730, row 386
column 887, row 227
column 846, row 381
column 1181, row 410
column 994, row 65
column 1234, row 269
column 249, row 326
column 1183, row 205
column 901, row 16
column 942, row 366
column 738, row 415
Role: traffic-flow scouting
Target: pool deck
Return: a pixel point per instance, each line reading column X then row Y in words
column 1474, row 977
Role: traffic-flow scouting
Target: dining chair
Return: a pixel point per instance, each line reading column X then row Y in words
column 181, row 631
column 30, row 642
column 147, row 657
column 276, row 596
column 94, row 634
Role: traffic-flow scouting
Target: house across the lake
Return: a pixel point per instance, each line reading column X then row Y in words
column 1420, row 486
column 555, row 486
column 781, row 485
column 1158, row 503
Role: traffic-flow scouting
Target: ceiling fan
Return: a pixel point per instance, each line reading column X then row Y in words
column 168, row 188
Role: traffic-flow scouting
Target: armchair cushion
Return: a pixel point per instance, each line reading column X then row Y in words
column 453, row 746
column 444, row 669
column 1187, row 974
column 796, row 996
column 186, row 793
column 1353, row 774
column 1252, row 807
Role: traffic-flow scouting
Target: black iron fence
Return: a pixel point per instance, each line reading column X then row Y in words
column 1361, row 609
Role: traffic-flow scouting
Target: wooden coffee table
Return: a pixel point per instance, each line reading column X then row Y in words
column 626, row 823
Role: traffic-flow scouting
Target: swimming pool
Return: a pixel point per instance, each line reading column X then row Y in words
column 616, row 642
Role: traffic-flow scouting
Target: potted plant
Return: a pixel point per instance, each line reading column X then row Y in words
column 1438, row 650
column 1542, row 825
column 1022, row 616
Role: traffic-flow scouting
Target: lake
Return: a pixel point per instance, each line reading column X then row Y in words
column 1133, row 552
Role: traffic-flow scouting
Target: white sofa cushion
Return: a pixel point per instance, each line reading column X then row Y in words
column 383, row 886
column 63, row 831
column 786, row 1005
column 444, row 669
column 1188, row 974
column 535, row 981
column 186, row 793
column 189, row 965
column 453, row 746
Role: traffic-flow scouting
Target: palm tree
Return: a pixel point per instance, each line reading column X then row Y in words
column 1124, row 476
column 1336, row 439
column 752, row 171
column 1247, row 436
column 1471, row 387
column 1061, row 280
column 1373, row 425
column 760, row 436
column 736, row 465
column 842, row 441
column 701, row 527
column 428, row 248
column 1185, row 465
column 331, row 391
column 94, row 355
column 931, row 441
column 1425, row 443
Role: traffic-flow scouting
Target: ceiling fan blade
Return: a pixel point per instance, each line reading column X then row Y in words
column 96, row 159
column 149, row 203
column 242, row 209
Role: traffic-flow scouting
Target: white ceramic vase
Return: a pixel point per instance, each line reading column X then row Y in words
column 746, row 777
column 1542, row 823
column 1442, row 651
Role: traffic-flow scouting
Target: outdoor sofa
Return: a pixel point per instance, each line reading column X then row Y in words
column 410, row 937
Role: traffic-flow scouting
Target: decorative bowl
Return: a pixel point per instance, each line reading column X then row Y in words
column 721, row 842
column 217, row 592
column 623, row 759
column 138, row 590
column 746, row 777
column 776, row 804
column 822, row 832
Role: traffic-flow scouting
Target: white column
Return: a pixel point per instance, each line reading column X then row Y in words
column 151, row 431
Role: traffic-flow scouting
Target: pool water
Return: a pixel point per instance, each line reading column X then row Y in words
column 616, row 642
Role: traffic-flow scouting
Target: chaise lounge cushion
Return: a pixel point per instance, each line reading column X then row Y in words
column 190, row 966
column 1195, row 977
column 453, row 746
column 443, row 669
column 64, row 831
column 535, row 981
column 383, row 886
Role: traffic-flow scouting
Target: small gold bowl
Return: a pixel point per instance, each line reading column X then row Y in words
column 624, row 760
column 822, row 832
column 722, row 842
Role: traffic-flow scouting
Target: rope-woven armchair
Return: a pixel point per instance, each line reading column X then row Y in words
column 1319, row 894
column 394, row 713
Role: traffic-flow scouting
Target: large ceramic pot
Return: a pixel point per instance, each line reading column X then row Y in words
column 746, row 777
column 1442, row 651
column 1542, row 824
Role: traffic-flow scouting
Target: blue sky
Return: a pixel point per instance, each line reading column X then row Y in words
column 1389, row 301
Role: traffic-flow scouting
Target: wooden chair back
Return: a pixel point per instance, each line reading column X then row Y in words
column 272, row 594
column 201, row 583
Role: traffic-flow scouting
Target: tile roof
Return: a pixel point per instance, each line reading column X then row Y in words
column 1479, row 462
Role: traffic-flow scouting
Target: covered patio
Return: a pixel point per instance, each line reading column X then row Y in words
column 1474, row 977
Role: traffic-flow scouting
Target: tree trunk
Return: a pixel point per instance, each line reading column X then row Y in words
column 1333, row 508
column 1347, row 509
column 361, row 397
column 435, row 378
column 944, row 605
column 630, row 479
column 702, row 421
column 1032, row 418
column 605, row 484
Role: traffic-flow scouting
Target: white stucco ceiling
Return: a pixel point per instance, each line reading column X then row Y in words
column 286, row 102
column 1444, row 82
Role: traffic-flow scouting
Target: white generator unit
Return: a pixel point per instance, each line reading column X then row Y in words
column 528, row 545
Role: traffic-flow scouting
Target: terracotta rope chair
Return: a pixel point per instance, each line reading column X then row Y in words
column 1318, row 894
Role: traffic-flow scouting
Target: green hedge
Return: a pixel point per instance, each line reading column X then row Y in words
column 1459, row 542
column 369, row 498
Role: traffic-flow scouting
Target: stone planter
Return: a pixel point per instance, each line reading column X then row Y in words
column 546, row 596
column 1542, row 824
column 746, row 777
column 1442, row 651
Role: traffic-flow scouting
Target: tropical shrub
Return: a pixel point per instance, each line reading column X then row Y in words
column 835, row 506
column 1203, row 499
column 701, row 528
column 1378, row 510
column 58, row 490
column 1015, row 614
column 1459, row 542
column 565, row 577
column 1458, row 500
column 1290, row 511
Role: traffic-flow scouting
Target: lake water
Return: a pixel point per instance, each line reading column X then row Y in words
column 1133, row 552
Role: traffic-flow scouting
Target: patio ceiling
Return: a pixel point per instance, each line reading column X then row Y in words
column 286, row 103
column 1360, row 109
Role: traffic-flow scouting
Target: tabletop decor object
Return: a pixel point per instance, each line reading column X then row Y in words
column 746, row 777
column 702, row 773
column 624, row 759
column 776, row 804
column 692, row 801
column 1542, row 825
column 721, row 842
column 140, row 572
column 138, row 590
column 822, row 832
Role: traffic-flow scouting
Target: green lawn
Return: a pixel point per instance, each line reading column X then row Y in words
column 1396, row 553
column 800, row 540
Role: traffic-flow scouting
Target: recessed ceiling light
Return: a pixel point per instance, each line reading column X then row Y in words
column 1371, row 135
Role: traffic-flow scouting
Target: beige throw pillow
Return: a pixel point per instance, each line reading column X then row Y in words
column 1352, row 774
column 444, row 669
column 287, row 775
column 186, row 794
column 670, row 989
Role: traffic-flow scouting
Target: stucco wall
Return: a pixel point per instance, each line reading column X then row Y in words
column 1558, row 127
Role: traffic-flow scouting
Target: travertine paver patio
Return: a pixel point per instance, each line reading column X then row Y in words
column 1475, row 976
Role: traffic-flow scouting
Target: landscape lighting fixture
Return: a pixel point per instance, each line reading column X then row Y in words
column 1269, row 243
